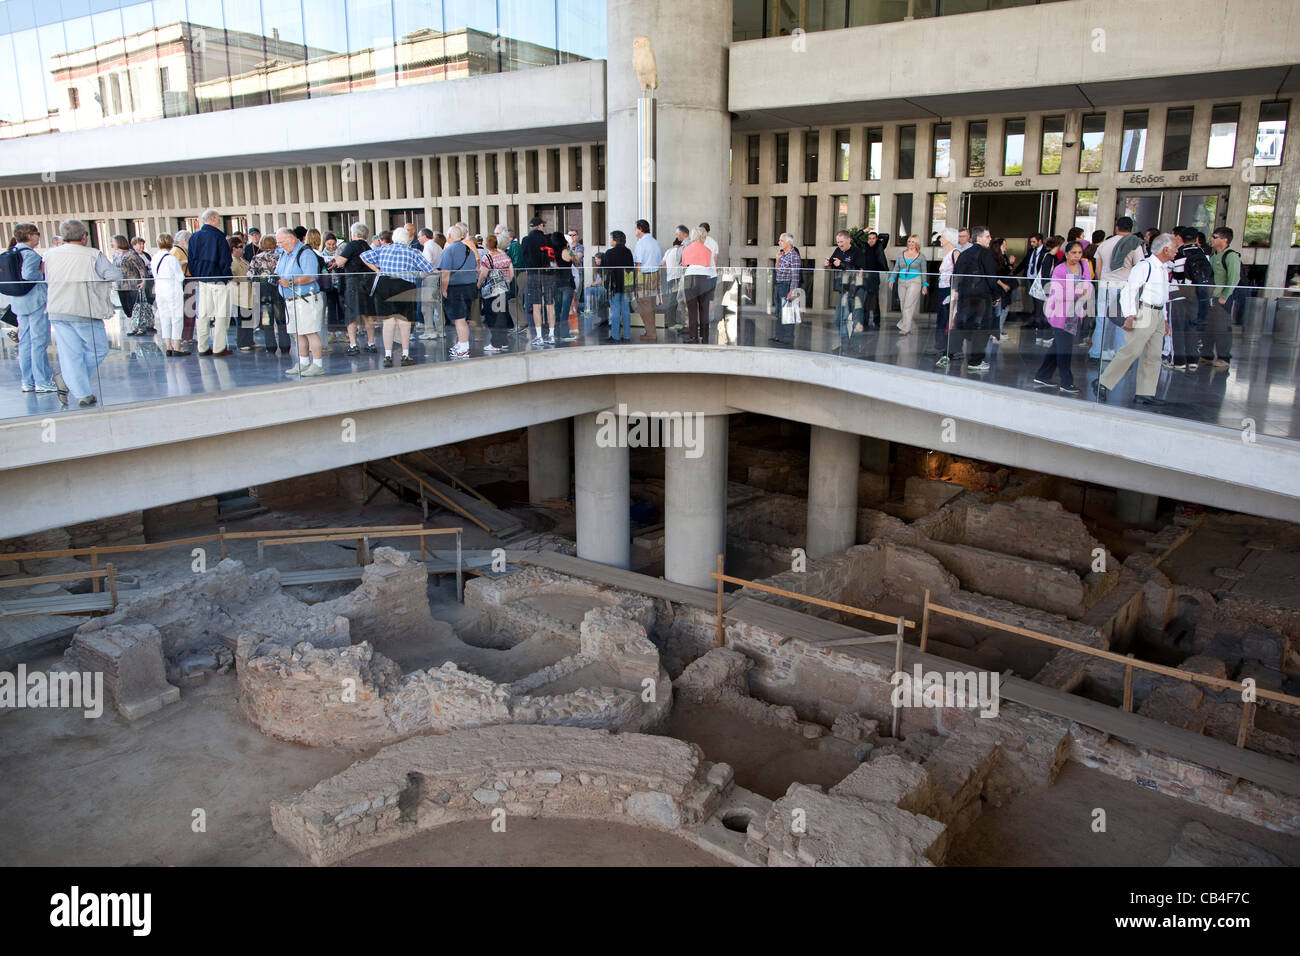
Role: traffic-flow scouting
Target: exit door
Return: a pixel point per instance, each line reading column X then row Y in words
column 1164, row 209
column 1014, row 216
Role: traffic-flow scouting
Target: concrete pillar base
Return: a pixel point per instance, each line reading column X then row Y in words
column 548, row 461
column 1134, row 507
column 695, row 504
column 832, row 491
column 602, row 496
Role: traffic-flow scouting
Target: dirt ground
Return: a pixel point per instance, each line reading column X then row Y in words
column 538, row 843
column 1052, row 826
column 765, row 759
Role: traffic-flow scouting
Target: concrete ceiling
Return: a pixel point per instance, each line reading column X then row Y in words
column 1161, row 89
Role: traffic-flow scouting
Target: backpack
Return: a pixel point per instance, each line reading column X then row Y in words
column 1236, row 305
column 11, row 274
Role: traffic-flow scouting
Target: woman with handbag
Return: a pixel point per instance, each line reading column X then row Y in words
column 495, row 273
column 241, row 298
column 1068, row 305
column 130, row 289
column 169, row 297
column 261, row 273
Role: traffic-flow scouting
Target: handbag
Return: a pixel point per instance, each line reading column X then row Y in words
column 1037, row 290
column 141, row 315
column 495, row 284
column 792, row 311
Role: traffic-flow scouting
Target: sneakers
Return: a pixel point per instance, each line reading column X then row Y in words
column 982, row 367
column 29, row 388
column 311, row 370
column 48, row 387
column 388, row 361
column 296, row 370
column 1099, row 391
column 538, row 342
column 458, row 351
column 88, row 401
column 352, row 350
column 495, row 349
column 943, row 361
column 550, row 337
column 372, row 348
column 407, row 360
column 1041, row 384
column 1069, row 390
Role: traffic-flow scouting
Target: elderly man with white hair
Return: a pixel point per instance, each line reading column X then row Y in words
column 399, row 268
column 209, row 259
column 77, row 302
column 1142, row 302
column 304, row 302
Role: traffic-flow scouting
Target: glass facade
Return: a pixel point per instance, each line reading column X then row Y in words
column 755, row 19
column 84, row 64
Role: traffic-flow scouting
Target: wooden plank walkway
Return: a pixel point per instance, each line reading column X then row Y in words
column 55, row 604
column 618, row 578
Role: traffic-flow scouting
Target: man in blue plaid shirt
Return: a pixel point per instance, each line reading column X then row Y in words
column 398, row 269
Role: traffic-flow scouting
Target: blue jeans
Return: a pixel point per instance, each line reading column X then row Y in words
column 784, row 333
column 82, row 346
column 563, row 302
column 33, row 343
column 620, row 317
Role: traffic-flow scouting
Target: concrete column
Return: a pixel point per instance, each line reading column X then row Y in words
column 602, row 496
column 874, row 455
column 1134, row 507
column 832, row 491
column 695, row 504
column 690, row 41
column 548, row 461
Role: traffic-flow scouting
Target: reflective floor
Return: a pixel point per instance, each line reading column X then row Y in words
column 1257, row 392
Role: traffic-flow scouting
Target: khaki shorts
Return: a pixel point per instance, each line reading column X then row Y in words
column 306, row 314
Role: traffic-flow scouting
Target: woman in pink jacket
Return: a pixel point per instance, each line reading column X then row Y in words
column 1069, row 301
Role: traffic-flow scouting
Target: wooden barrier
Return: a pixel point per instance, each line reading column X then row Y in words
column 1128, row 662
column 363, row 548
column 78, row 604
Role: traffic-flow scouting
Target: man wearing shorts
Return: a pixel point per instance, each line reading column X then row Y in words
column 304, row 303
column 539, row 283
column 458, row 265
column 399, row 267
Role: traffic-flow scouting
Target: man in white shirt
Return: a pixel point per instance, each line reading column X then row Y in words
column 647, row 256
column 1114, row 272
column 672, row 263
column 1143, row 301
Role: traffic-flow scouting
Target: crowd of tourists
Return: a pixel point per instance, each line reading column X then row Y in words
column 382, row 291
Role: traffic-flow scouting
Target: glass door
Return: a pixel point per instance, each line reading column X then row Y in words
column 1144, row 207
column 1205, row 211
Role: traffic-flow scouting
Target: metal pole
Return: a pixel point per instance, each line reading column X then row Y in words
column 645, row 151
column 898, row 667
column 719, row 640
column 460, row 585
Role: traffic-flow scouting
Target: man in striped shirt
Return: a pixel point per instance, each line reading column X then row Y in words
column 398, row 269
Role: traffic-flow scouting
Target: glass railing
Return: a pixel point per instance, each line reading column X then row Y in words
column 1236, row 367
column 132, row 61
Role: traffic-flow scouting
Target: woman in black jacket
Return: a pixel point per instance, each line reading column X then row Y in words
column 1047, row 263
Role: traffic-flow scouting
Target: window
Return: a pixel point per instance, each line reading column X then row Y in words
column 453, row 175
column 839, row 213
column 841, row 156
column 875, row 152
column 164, row 79
column 1085, row 210
column 871, row 211
column 751, row 159
column 552, row 174
column 1013, row 147
column 600, row 166
column 1049, row 160
column 942, row 166
column 782, row 158
column 1093, row 135
column 938, row 217
column 810, row 143
column 115, row 87
column 531, row 173
column 977, row 138
column 809, row 225
column 751, row 220
column 1178, row 137
column 1271, row 135
column 1259, row 216
column 1295, row 228
column 903, row 217
column 906, row 152
column 1133, row 146
column 778, row 218
column 74, row 98
column 471, row 176
column 1223, row 136
column 575, row 167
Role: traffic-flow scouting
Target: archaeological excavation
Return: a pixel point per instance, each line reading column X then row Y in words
column 405, row 660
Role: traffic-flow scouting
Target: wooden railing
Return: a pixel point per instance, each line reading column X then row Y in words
column 1128, row 661
column 900, row 623
column 363, row 545
column 109, row 573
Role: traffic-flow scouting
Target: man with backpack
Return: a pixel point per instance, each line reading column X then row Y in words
column 1226, row 266
column 1189, row 299
column 976, row 278
column 21, row 276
